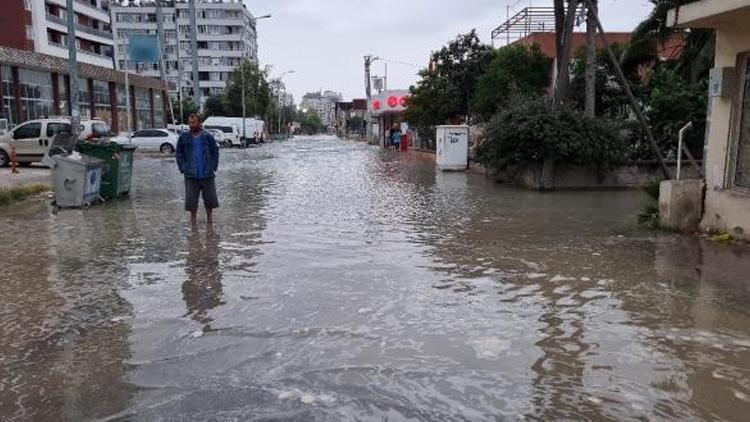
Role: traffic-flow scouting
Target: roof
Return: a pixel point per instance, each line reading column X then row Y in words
column 710, row 14
column 547, row 41
column 668, row 49
column 45, row 62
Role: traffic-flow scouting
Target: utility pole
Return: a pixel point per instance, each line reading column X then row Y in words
column 368, row 82
column 591, row 64
column 75, row 111
column 626, row 87
column 194, row 47
column 162, row 61
column 562, row 85
column 160, row 35
column 559, row 6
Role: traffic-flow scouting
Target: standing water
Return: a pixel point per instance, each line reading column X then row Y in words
column 340, row 282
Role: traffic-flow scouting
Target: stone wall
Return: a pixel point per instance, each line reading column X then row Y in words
column 552, row 177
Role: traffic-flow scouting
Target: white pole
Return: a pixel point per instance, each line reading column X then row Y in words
column 127, row 101
column 679, row 148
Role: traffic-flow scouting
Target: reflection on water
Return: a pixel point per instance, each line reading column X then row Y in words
column 341, row 282
column 202, row 290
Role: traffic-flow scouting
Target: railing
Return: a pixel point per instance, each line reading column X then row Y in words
column 83, row 28
column 85, row 52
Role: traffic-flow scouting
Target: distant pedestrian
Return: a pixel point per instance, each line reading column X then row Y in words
column 198, row 160
column 396, row 137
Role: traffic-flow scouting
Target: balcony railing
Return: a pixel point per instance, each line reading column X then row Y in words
column 83, row 28
column 80, row 51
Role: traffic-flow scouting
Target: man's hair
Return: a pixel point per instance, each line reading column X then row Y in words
column 194, row 115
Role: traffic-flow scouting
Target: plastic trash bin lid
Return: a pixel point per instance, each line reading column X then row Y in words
column 62, row 143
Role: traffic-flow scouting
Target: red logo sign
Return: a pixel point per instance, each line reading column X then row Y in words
column 376, row 104
column 392, row 102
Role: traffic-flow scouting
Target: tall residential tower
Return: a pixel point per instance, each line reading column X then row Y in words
column 226, row 35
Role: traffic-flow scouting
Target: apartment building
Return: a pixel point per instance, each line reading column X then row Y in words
column 324, row 104
column 226, row 34
column 40, row 26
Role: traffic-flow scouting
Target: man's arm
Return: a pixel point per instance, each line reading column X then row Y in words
column 180, row 153
column 214, row 148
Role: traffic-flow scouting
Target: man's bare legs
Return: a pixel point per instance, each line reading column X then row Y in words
column 209, row 215
column 193, row 217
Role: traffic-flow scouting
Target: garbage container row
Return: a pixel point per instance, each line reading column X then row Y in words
column 96, row 170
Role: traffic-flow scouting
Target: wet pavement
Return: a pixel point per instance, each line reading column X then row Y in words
column 341, row 282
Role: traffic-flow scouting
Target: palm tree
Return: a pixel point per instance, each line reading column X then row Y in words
column 697, row 45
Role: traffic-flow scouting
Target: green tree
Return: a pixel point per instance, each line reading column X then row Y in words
column 530, row 131
column 355, row 124
column 674, row 101
column 214, row 106
column 610, row 99
column 445, row 90
column 697, row 45
column 310, row 123
column 514, row 68
column 188, row 108
column 258, row 97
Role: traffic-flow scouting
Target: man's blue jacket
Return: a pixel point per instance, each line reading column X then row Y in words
column 185, row 160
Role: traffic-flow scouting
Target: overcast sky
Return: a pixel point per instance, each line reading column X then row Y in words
column 324, row 41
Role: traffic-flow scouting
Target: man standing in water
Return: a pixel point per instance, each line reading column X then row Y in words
column 198, row 159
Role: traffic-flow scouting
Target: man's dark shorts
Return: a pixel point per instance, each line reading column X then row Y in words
column 193, row 189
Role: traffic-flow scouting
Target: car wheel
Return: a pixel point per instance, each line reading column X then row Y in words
column 227, row 144
column 4, row 159
column 166, row 149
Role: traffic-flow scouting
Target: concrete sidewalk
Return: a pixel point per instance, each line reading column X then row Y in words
column 26, row 176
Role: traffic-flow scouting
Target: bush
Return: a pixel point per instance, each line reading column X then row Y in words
column 20, row 193
column 530, row 131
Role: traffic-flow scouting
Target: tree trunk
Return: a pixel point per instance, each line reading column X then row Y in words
column 559, row 30
column 562, row 87
column 629, row 92
column 591, row 60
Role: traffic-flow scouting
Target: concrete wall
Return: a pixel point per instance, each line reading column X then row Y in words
column 551, row 177
column 726, row 208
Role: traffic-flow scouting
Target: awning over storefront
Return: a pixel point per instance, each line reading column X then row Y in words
column 388, row 102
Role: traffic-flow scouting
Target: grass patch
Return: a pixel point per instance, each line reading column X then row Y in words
column 649, row 217
column 10, row 195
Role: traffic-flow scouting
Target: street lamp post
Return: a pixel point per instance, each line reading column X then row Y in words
column 242, row 69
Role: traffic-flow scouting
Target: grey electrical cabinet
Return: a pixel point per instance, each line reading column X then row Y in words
column 721, row 83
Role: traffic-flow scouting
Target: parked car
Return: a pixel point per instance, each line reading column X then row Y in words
column 221, row 140
column 252, row 128
column 93, row 129
column 31, row 140
column 230, row 133
column 162, row 140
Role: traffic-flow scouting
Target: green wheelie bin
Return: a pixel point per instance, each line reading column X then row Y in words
column 118, row 166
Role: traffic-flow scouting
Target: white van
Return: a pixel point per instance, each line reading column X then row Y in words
column 253, row 128
column 231, row 133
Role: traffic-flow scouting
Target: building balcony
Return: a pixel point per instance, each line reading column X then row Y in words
column 85, row 8
column 82, row 28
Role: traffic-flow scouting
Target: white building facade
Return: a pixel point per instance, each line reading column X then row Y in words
column 94, row 37
column 323, row 104
column 226, row 33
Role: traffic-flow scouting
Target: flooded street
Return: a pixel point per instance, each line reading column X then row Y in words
column 340, row 282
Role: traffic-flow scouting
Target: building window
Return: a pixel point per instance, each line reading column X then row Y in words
column 742, row 176
column 84, row 98
column 36, row 94
column 8, row 109
column 122, row 110
column 29, row 32
column 143, row 108
column 27, row 5
column 101, row 101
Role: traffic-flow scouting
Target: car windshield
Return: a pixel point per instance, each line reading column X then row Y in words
column 225, row 129
column 100, row 129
